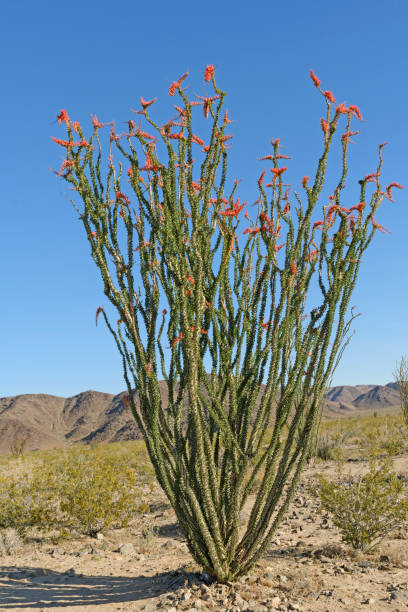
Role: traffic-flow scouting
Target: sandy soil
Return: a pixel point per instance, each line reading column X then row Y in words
column 306, row 568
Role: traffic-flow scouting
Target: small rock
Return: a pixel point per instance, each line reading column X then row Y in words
column 238, row 601
column 282, row 578
column 186, row 595
column 127, row 549
column 205, row 577
column 100, row 536
column 399, row 595
column 369, row 601
column 172, row 609
column 269, row 573
column 275, row 601
column 293, row 606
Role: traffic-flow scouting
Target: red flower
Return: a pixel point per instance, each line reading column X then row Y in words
column 304, row 181
column 341, row 109
column 234, row 211
column 197, row 140
column 182, row 78
column 324, row 126
column 358, row 207
column 390, row 187
column 164, row 311
column 121, row 196
column 261, row 178
column 177, row 339
column 66, row 164
column 355, row 111
column 63, row 116
column 98, row 312
column 226, row 119
column 347, row 135
column 379, row 227
column 191, row 279
column 146, row 103
column 278, row 171
column 209, row 72
column 369, row 178
column 176, row 84
column 96, row 123
column 314, row 78
column 329, row 96
column 250, row 231
column 293, row 267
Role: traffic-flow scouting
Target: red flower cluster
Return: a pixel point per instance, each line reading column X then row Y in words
column 209, row 72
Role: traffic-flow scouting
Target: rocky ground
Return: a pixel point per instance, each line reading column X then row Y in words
column 147, row 567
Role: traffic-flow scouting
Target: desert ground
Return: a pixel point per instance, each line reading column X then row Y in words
column 147, row 566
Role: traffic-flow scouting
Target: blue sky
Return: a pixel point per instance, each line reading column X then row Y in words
column 93, row 57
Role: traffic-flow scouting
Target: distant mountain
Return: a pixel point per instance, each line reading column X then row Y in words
column 48, row 421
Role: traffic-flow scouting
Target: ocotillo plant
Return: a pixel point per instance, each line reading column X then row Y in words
column 216, row 445
column 401, row 378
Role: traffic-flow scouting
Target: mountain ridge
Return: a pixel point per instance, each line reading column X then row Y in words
column 50, row 421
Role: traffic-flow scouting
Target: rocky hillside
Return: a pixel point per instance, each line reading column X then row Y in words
column 48, row 421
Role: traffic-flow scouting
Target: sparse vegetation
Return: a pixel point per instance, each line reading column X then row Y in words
column 82, row 490
column 18, row 445
column 366, row 507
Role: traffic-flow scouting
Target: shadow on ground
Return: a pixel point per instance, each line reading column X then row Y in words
column 35, row 587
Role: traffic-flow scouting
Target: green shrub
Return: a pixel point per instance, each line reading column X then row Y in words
column 94, row 491
column 328, row 446
column 366, row 507
column 23, row 502
column 83, row 490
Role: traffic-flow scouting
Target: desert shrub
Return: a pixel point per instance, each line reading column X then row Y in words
column 10, row 541
column 17, row 446
column 23, row 502
column 83, row 490
column 386, row 435
column 328, row 446
column 366, row 507
column 94, row 491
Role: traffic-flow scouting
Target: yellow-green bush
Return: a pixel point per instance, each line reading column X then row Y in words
column 23, row 502
column 366, row 507
column 83, row 489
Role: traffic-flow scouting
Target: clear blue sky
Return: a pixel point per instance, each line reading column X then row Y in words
column 97, row 57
